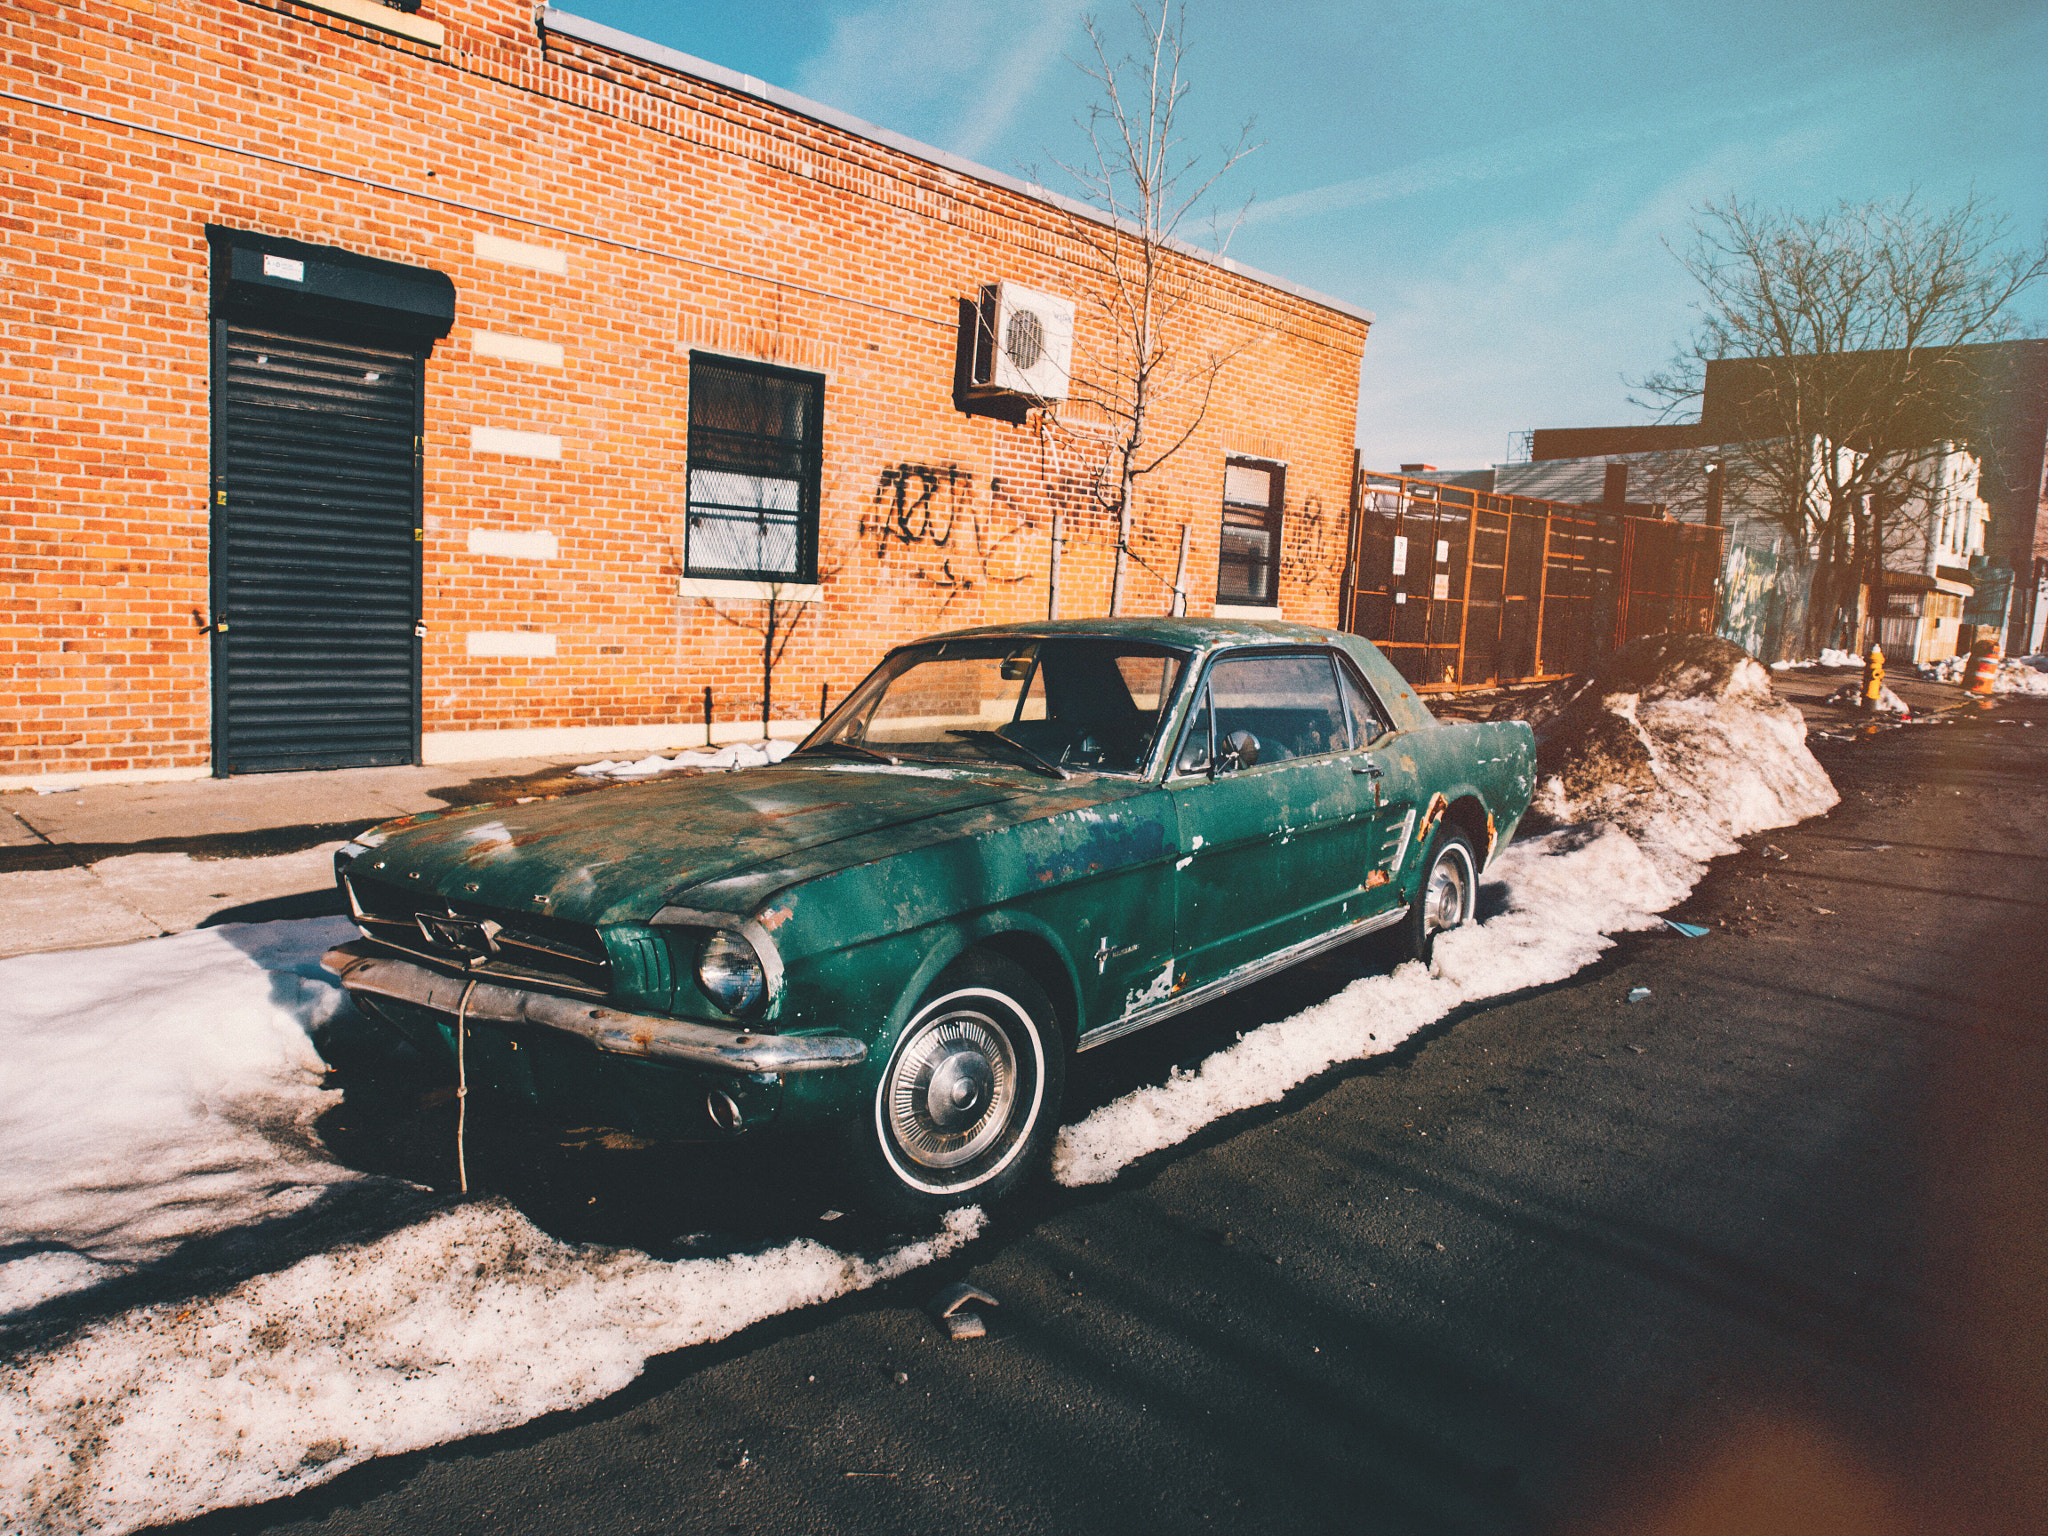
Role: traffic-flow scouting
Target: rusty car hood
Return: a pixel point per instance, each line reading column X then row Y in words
column 613, row 855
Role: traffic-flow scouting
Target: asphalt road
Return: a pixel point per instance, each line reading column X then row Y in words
column 1763, row 1253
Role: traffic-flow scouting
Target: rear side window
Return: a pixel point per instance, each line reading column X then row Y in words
column 1287, row 704
column 1368, row 721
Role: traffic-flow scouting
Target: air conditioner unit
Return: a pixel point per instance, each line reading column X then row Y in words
column 1023, row 343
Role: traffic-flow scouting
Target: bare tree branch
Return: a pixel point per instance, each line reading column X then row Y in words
column 1843, row 338
column 1142, row 179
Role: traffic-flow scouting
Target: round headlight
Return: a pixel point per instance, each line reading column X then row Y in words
column 730, row 973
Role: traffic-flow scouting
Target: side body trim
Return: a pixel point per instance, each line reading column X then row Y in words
column 1257, row 970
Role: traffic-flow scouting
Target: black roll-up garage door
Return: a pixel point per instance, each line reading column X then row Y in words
column 316, row 554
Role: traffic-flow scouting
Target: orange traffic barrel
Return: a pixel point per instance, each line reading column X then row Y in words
column 1983, row 668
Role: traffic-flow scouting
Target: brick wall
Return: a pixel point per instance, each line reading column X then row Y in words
column 684, row 215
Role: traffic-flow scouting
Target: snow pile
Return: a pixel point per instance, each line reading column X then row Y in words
column 744, row 754
column 471, row 1321
column 1679, row 740
column 163, row 1092
column 158, row 1092
column 1829, row 657
column 2015, row 674
column 2022, row 674
column 1674, row 749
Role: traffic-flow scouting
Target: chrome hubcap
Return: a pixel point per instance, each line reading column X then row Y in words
column 952, row 1089
column 1444, row 904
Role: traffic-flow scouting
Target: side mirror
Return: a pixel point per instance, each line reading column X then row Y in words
column 1240, row 749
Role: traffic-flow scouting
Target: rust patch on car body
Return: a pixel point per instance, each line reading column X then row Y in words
column 775, row 919
column 1437, row 806
column 1377, row 878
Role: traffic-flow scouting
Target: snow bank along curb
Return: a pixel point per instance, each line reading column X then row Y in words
column 1672, row 751
column 165, row 1091
column 471, row 1321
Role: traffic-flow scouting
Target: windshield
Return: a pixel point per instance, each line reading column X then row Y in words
column 1063, row 705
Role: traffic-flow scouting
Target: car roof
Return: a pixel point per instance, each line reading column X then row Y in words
column 1193, row 633
column 1205, row 636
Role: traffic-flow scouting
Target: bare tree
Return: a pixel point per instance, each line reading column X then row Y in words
column 1142, row 178
column 776, row 619
column 776, row 615
column 1841, row 341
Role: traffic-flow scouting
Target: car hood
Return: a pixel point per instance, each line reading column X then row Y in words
column 613, row 855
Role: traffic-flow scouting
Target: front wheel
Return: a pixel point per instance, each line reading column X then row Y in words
column 968, row 1104
column 1446, row 896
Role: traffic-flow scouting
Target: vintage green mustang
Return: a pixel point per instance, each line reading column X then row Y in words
column 1008, row 844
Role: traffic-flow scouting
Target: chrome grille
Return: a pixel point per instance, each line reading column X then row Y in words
column 528, row 949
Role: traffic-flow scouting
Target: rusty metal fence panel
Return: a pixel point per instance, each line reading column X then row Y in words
column 1669, row 574
column 1467, row 589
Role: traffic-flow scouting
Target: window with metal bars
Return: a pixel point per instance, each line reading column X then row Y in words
column 755, row 435
column 1248, row 554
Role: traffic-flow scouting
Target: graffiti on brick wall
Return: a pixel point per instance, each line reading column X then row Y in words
column 1313, row 545
column 927, row 520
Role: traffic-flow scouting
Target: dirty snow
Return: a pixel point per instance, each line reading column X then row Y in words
column 158, row 1092
column 168, row 1092
column 1720, row 757
column 2015, row 674
column 743, row 754
column 471, row 1321
column 165, row 1092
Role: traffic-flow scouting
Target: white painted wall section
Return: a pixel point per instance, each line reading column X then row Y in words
column 517, row 253
column 517, row 445
column 747, row 591
column 490, row 642
column 514, row 544
column 516, row 349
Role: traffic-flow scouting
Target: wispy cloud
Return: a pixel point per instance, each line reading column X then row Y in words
column 1536, row 322
column 955, row 72
column 1686, row 117
column 1022, row 68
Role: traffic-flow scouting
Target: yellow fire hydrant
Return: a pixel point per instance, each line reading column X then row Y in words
column 1873, row 677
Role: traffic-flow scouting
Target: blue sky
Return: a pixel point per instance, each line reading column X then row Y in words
column 1494, row 181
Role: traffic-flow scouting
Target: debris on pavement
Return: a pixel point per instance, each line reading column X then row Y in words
column 1639, row 994
column 947, row 1306
column 1850, row 696
column 1690, row 930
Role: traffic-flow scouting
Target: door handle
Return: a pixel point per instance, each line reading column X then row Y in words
column 1369, row 771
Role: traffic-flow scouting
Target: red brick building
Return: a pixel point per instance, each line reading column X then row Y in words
column 452, row 383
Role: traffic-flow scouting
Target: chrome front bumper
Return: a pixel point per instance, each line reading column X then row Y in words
column 363, row 968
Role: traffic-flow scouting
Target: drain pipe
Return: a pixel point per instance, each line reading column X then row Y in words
column 1180, row 577
column 1052, row 590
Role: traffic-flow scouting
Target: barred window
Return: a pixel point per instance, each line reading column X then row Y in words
column 1248, row 554
column 755, row 435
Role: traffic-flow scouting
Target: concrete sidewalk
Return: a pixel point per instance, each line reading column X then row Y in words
column 113, row 863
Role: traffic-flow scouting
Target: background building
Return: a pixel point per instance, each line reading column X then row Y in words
column 462, row 381
column 2010, row 379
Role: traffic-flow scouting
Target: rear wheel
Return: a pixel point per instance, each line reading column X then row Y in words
column 1446, row 896
column 968, row 1103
